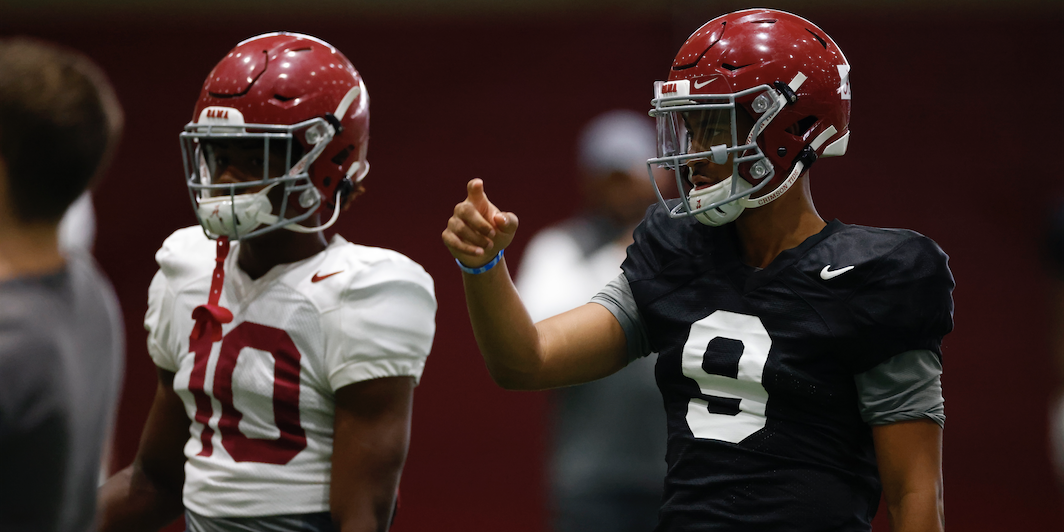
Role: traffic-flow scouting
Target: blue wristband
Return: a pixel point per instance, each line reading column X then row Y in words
column 482, row 269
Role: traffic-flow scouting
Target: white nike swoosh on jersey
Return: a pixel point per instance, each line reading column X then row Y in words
column 707, row 82
column 825, row 274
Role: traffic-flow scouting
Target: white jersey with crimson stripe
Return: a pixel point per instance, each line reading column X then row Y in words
column 261, row 400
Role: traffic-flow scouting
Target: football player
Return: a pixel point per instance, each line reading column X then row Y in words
column 287, row 363
column 799, row 360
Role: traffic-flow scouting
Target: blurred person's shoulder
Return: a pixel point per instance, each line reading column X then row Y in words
column 583, row 235
column 67, row 318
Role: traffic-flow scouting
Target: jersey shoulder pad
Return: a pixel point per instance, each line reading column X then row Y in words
column 896, row 284
column 375, row 265
column 385, row 319
column 186, row 254
column 348, row 270
column 903, row 266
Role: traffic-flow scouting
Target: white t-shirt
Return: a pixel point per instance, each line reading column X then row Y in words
column 556, row 275
column 262, row 401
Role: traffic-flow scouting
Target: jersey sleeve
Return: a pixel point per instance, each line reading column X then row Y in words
column 618, row 299
column 907, row 386
column 905, row 304
column 384, row 326
column 158, row 324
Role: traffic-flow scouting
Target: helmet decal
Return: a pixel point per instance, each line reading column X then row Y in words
column 844, row 86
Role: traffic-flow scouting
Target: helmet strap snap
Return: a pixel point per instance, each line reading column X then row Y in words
column 334, row 122
column 343, row 189
column 786, row 91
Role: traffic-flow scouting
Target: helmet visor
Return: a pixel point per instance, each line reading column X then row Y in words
column 708, row 133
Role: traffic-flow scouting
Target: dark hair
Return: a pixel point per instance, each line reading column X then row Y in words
column 59, row 122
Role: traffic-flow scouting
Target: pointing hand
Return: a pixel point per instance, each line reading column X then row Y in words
column 478, row 230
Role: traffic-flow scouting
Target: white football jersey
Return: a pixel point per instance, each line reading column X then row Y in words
column 262, row 400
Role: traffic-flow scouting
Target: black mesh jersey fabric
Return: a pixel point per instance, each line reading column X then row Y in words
column 756, row 366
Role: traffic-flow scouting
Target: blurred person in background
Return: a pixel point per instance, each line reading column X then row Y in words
column 607, row 460
column 799, row 360
column 77, row 229
column 286, row 362
column 1053, row 252
column 61, row 339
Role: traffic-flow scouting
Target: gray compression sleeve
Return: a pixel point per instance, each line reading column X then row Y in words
column 905, row 387
column 618, row 299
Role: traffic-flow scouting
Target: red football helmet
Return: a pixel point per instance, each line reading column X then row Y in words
column 788, row 76
column 302, row 102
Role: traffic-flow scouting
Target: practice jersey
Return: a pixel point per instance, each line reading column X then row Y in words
column 757, row 368
column 262, row 400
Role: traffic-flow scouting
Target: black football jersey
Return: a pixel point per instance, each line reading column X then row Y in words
column 756, row 366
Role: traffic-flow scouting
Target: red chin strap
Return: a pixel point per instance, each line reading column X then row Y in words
column 210, row 317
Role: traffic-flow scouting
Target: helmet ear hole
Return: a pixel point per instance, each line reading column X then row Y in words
column 800, row 127
column 342, row 155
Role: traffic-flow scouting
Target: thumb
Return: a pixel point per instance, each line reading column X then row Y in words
column 506, row 222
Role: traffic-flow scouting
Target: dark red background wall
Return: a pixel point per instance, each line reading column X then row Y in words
column 957, row 133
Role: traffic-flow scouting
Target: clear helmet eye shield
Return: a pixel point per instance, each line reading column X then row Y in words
column 242, row 209
column 696, row 129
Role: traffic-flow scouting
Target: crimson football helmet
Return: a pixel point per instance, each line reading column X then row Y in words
column 298, row 100
column 790, row 79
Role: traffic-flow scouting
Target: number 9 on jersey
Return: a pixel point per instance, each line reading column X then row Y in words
column 738, row 399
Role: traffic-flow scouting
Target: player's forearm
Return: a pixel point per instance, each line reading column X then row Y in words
column 917, row 512
column 129, row 501
column 507, row 338
column 370, row 512
column 909, row 455
column 366, row 469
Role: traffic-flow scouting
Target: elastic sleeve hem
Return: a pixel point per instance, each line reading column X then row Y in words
column 938, row 418
column 375, row 369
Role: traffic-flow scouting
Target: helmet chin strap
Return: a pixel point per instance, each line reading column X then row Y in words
column 728, row 212
column 335, row 215
column 269, row 218
column 803, row 162
column 341, row 111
